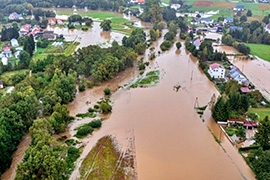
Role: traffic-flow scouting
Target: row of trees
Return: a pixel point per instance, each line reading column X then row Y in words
column 24, row 6
column 252, row 32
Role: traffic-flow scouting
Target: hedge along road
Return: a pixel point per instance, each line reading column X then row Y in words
column 171, row 140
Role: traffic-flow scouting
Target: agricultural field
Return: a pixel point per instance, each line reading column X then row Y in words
column 260, row 50
column 67, row 49
column 262, row 112
column 119, row 23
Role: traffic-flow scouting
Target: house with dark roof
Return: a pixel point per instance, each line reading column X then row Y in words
column 236, row 28
column 239, row 8
column 50, row 35
column 206, row 20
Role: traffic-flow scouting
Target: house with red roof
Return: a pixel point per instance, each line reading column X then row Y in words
column 216, row 71
column 52, row 21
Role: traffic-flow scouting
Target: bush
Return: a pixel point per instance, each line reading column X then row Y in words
column 107, row 91
column 81, row 87
column 165, row 45
column 95, row 123
column 83, row 131
column 90, row 84
column 105, row 107
column 96, row 106
column 91, row 110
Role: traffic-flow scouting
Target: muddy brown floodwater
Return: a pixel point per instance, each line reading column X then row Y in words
column 255, row 70
column 171, row 141
column 17, row 157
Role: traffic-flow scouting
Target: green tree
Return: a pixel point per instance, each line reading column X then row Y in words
column 106, row 25
column 262, row 136
column 220, row 110
column 24, row 58
column 249, row 13
column 243, row 18
column 178, row 45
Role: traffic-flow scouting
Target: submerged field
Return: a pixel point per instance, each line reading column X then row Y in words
column 105, row 161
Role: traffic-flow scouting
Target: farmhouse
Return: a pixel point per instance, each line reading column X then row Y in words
column 7, row 51
column 239, row 8
column 216, row 71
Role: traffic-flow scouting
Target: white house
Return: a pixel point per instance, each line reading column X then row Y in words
column 239, row 8
column 4, row 61
column 216, row 71
column 1, row 84
column 267, row 28
column 14, row 42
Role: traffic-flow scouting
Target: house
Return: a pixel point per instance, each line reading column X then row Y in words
column 52, row 21
column 36, row 29
column 59, row 22
column 50, row 35
column 1, row 84
column 236, row 75
column 15, row 16
column 14, row 42
column 236, row 28
column 7, row 51
column 216, row 71
column 228, row 20
column 4, row 61
column 196, row 42
column 24, row 29
column 239, row 8
column 175, row 6
column 245, row 90
column 267, row 28
column 140, row 1
column 206, row 20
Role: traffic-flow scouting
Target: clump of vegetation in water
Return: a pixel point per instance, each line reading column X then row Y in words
column 149, row 79
column 88, row 128
column 86, row 115
column 107, row 91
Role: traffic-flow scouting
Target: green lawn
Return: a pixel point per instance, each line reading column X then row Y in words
column 118, row 22
column 262, row 112
column 5, row 77
column 260, row 50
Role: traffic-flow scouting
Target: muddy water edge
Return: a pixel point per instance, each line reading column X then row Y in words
column 171, row 140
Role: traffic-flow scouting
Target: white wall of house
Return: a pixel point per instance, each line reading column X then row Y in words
column 218, row 72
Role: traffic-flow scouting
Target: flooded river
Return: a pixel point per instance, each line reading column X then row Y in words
column 171, row 141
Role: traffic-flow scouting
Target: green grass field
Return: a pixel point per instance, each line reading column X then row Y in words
column 260, row 50
column 118, row 22
column 5, row 77
column 262, row 112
